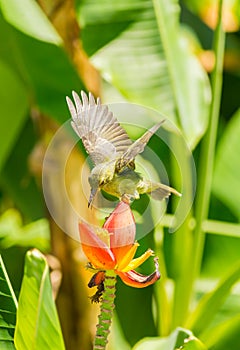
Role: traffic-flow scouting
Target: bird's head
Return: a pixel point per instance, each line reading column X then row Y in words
column 100, row 176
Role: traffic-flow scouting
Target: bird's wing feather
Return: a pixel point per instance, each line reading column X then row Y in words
column 137, row 147
column 102, row 136
column 157, row 190
column 163, row 191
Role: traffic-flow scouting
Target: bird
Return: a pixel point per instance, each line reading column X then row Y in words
column 112, row 151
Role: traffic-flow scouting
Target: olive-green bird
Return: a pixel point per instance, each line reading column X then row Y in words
column 112, row 151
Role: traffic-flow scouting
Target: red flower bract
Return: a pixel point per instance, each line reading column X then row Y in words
column 113, row 247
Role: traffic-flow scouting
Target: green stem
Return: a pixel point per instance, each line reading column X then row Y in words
column 182, row 238
column 106, row 311
column 207, row 151
column 160, row 289
column 215, row 227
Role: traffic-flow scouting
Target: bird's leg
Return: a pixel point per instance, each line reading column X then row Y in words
column 126, row 198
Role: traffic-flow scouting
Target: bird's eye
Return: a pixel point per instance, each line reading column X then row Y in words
column 101, row 183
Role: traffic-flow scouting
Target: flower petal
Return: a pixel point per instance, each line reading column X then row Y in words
column 124, row 255
column 97, row 251
column 121, row 224
column 137, row 280
column 138, row 261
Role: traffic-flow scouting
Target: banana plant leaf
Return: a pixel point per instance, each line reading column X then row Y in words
column 180, row 339
column 8, row 307
column 148, row 59
column 37, row 324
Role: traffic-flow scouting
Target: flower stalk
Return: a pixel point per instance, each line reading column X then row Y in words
column 106, row 311
column 110, row 251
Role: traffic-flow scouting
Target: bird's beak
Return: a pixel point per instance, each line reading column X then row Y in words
column 92, row 195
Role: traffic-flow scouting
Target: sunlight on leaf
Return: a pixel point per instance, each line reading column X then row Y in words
column 211, row 302
column 179, row 339
column 27, row 16
column 188, row 80
column 141, row 60
column 223, row 336
column 37, row 320
column 35, row 234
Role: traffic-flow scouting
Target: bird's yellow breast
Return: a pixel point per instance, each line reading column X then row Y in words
column 123, row 184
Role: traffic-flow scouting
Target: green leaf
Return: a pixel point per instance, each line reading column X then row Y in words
column 13, row 109
column 227, row 166
column 37, row 320
column 18, row 182
column 188, row 80
column 27, row 17
column 141, row 60
column 180, row 339
column 121, row 14
column 30, row 21
column 211, row 302
column 117, row 340
column 223, row 336
column 8, row 306
column 35, row 234
column 37, row 56
column 220, row 254
column 42, row 69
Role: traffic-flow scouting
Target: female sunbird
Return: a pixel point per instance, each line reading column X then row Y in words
column 112, row 151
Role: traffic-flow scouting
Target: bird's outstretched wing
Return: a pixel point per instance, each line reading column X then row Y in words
column 102, row 136
column 137, row 147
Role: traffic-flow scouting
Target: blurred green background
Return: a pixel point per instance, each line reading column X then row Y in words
column 160, row 55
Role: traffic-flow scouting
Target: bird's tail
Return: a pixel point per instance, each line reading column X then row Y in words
column 157, row 190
